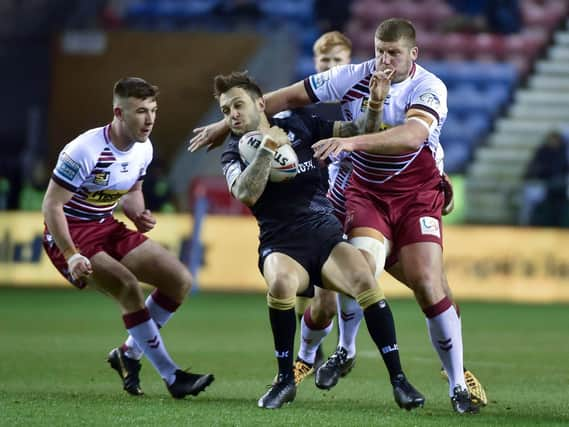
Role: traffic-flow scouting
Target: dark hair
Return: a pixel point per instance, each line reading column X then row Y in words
column 394, row 29
column 222, row 84
column 135, row 87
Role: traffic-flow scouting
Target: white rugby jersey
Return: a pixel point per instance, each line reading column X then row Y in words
column 350, row 84
column 98, row 173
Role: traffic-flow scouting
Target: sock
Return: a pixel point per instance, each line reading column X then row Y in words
column 146, row 334
column 161, row 308
column 349, row 320
column 283, row 324
column 311, row 337
column 381, row 327
column 446, row 337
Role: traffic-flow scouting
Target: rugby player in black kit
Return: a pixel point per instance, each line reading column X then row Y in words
column 301, row 241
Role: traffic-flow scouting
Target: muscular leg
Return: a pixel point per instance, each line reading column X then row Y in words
column 284, row 277
column 422, row 267
column 151, row 263
column 114, row 279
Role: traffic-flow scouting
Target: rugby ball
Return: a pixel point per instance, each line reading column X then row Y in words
column 283, row 167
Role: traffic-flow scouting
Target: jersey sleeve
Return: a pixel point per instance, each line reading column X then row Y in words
column 148, row 156
column 430, row 96
column 73, row 166
column 231, row 163
column 331, row 85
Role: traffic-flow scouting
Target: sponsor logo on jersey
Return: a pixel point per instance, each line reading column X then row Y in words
column 67, row 167
column 101, row 178
column 124, row 167
column 306, row 166
column 430, row 99
column 430, row 225
column 318, row 80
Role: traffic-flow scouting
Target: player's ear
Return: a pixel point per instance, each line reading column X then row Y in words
column 117, row 111
column 261, row 103
column 414, row 52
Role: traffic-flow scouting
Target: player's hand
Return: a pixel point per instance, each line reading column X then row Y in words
column 210, row 136
column 79, row 266
column 448, row 193
column 144, row 221
column 331, row 147
column 379, row 85
column 277, row 135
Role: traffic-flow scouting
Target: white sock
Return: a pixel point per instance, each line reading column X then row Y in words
column 446, row 338
column 350, row 315
column 147, row 336
column 160, row 316
column 310, row 339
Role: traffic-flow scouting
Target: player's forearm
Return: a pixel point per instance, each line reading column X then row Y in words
column 57, row 226
column 293, row 96
column 133, row 204
column 399, row 139
column 253, row 180
column 373, row 119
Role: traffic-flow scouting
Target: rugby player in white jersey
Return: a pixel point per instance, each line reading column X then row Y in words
column 89, row 247
column 415, row 109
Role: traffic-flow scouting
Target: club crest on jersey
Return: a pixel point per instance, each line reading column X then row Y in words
column 124, row 167
column 318, row 80
column 430, row 99
column 67, row 167
column 101, row 178
column 430, row 225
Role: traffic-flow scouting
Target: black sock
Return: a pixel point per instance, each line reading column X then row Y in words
column 283, row 324
column 381, row 327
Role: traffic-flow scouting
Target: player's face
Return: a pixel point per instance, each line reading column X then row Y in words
column 138, row 117
column 398, row 56
column 338, row 55
column 241, row 112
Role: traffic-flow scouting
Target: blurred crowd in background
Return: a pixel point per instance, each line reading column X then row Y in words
column 505, row 63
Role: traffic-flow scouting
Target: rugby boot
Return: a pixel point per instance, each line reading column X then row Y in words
column 301, row 370
column 187, row 383
column 475, row 387
column 406, row 396
column 338, row 365
column 281, row 392
column 128, row 369
column 462, row 403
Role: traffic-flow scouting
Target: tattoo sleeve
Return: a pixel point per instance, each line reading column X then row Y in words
column 370, row 122
column 373, row 121
column 252, row 182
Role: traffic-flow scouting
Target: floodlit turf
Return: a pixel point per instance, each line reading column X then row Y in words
column 53, row 369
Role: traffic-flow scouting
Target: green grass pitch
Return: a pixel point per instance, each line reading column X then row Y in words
column 53, row 370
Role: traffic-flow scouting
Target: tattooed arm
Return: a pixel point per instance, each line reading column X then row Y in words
column 251, row 183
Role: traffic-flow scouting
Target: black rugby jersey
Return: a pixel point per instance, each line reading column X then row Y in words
column 283, row 205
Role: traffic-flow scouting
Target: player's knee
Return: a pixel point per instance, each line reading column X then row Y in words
column 374, row 251
column 283, row 285
column 184, row 282
column 361, row 280
column 423, row 278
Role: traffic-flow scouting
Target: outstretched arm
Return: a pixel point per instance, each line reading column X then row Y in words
column 214, row 134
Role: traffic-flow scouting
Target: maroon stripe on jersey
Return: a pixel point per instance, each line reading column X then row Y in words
column 310, row 92
column 425, row 108
column 379, row 169
column 89, row 208
column 134, row 319
column 358, row 90
column 165, row 301
column 63, row 183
